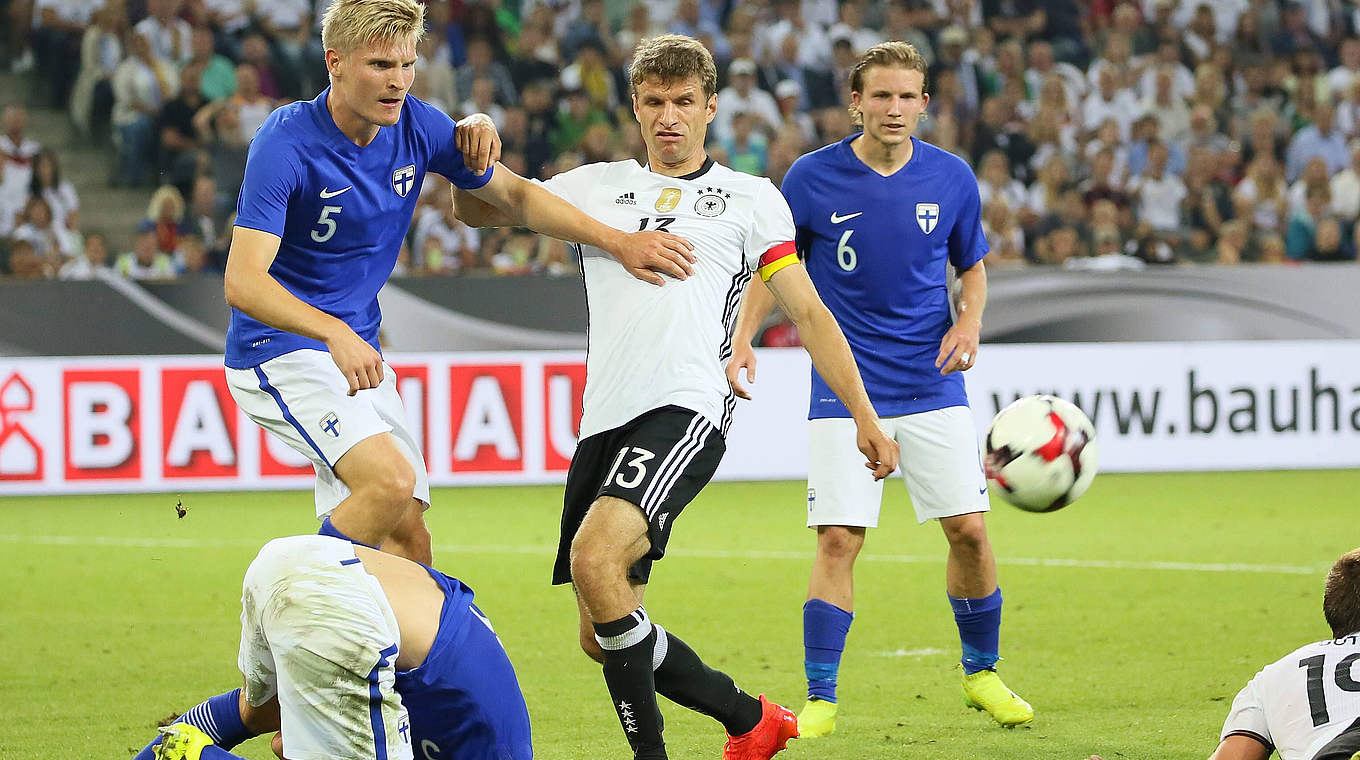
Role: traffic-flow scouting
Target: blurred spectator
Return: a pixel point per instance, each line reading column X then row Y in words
column 101, row 48
column 145, row 261
column 192, row 256
column 170, row 37
column 255, row 56
column 747, row 149
column 850, row 26
column 995, row 181
column 1294, row 34
column 1109, row 101
column 46, row 183
column 1322, row 139
column 690, row 21
column 1003, row 233
column 786, row 98
column 536, row 56
column 1314, row 174
column 58, row 26
column 218, row 125
column 480, row 64
column 163, row 215
column 229, row 17
column 540, row 122
column 24, row 262
column 1260, row 196
column 286, row 23
column 1233, row 240
column 589, row 73
column 203, row 216
column 482, row 99
column 1207, row 204
column 1314, row 234
column 141, row 84
column 52, row 244
column 573, row 120
column 1345, row 187
column 217, row 77
column 91, row 262
column 1343, row 75
column 17, row 151
column 741, row 95
column 435, row 74
column 440, row 238
column 251, row 104
column 179, row 143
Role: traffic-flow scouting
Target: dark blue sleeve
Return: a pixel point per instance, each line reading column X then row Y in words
column 272, row 174
column 967, row 241
column 445, row 158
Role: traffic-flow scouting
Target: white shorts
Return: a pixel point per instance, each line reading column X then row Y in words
column 318, row 632
column 939, row 463
column 302, row 398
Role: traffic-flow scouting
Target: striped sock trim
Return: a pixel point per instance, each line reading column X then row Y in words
column 642, row 625
column 662, row 646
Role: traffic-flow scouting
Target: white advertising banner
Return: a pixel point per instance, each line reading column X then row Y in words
column 72, row 425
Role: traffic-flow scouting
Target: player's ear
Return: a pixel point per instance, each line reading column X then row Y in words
column 636, row 115
column 711, row 108
column 333, row 62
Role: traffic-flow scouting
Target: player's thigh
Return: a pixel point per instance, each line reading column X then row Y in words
column 841, row 490
column 659, row 466
column 302, row 398
column 940, row 462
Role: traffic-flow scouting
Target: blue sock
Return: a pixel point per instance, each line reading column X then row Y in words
column 979, row 622
column 328, row 529
column 825, row 627
column 219, row 717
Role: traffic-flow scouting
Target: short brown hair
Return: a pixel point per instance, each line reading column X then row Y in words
column 347, row 24
column 671, row 58
column 1341, row 595
column 891, row 54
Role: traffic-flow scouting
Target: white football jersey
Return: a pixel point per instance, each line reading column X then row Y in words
column 650, row 346
column 1302, row 701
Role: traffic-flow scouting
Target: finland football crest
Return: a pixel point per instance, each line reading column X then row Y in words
column 403, row 179
column 330, row 424
column 927, row 216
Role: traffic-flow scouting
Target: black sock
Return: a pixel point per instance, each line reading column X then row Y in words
column 685, row 680
column 628, row 643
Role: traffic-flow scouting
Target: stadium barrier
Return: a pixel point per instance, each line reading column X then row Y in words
column 71, row 425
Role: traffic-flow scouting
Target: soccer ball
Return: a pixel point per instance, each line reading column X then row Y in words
column 1040, row 453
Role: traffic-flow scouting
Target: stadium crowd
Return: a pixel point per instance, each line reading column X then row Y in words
column 1104, row 134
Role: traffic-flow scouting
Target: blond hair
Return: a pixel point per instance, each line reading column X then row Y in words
column 348, row 24
column 671, row 58
column 165, row 193
column 892, row 54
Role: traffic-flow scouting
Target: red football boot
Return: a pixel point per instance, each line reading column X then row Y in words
column 777, row 725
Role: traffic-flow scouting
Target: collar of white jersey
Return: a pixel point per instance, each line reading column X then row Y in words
column 697, row 173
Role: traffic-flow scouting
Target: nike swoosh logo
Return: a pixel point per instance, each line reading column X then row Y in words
column 326, row 192
column 837, row 219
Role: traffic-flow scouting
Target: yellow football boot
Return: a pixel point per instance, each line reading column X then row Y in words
column 817, row 719
column 181, row 741
column 984, row 690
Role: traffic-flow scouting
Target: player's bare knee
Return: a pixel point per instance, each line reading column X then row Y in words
column 590, row 560
column 966, row 535
column 839, row 543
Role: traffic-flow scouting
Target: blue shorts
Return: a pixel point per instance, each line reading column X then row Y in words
column 464, row 700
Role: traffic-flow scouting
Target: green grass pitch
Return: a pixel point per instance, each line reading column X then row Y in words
column 1126, row 624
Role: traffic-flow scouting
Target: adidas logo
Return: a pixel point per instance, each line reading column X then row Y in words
column 627, row 199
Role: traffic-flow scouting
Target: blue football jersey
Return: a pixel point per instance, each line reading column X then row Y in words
column 877, row 249
column 340, row 210
column 464, row 701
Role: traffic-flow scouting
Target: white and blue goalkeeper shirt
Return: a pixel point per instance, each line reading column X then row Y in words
column 877, row 249
column 340, row 210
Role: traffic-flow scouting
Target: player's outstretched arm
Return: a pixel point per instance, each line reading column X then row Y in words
column 959, row 348
column 522, row 203
column 253, row 291
column 831, row 355
column 755, row 307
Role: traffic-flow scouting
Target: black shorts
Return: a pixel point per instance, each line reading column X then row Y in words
column 658, row 462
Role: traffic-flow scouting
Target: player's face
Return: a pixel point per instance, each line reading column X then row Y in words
column 372, row 80
column 674, row 117
column 891, row 103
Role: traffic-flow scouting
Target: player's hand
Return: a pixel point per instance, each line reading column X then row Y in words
column 360, row 364
column 479, row 142
column 649, row 254
column 743, row 356
column 880, row 450
column 958, row 350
